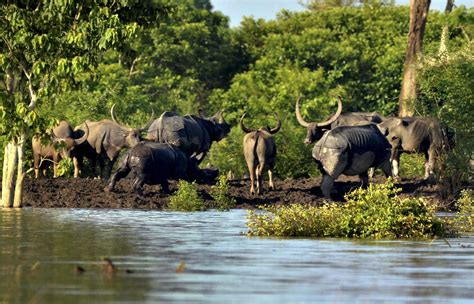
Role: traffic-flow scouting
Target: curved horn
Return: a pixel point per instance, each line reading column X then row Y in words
column 298, row 114
column 277, row 128
column 112, row 114
column 83, row 138
column 150, row 121
column 335, row 116
column 242, row 126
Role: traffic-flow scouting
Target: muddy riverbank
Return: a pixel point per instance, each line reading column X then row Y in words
column 89, row 193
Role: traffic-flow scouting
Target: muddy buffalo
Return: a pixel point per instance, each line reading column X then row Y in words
column 62, row 134
column 417, row 135
column 350, row 150
column 105, row 141
column 260, row 154
column 152, row 163
column 192, row 134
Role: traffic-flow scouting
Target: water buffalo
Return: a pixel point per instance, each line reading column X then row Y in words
column 351, row 150
column 260, row 152
column 417, row 135
column 152, row 163
column 347, row 144
column 192, row 134
column 315, row 130
column 61, row 134
column 105, row 141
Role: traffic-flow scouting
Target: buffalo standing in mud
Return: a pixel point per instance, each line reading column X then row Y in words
column 105, row 141
column 62, row 134
column 349, row 150
column 260, row 154
column 152, row 163
column 417, row 135
column 192, row 134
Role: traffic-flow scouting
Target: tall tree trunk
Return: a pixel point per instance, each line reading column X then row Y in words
column 10, row 171
column 13, row 173
column 443, row 45
column 418, row 17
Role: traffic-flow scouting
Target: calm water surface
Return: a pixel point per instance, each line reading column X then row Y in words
column 40, row 248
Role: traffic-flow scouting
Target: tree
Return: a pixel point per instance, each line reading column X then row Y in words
column 418, row 17
column 44, row 46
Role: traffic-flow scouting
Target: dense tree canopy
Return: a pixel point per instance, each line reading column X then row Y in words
column 187, row 57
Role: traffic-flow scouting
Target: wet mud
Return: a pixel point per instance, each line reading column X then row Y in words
column 89, row 193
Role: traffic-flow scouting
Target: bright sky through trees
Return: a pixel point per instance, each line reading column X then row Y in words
column 267, row 9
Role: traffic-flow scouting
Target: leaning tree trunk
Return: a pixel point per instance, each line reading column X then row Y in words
column 418, row 17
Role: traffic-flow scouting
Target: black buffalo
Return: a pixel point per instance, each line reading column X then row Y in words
column 192, row 134
column 155, row 163
column 351, row 150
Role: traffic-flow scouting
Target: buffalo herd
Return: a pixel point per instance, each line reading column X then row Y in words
column 174, row 146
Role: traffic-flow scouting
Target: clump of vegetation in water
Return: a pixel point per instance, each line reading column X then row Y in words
column 220, row 194
column 464, row 220
column 376, row 212
column 186, row 198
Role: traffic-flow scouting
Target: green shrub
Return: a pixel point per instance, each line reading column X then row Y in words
column 464, row 221
column 376, row 212
column 220, row 194
column 412, row 165
column 186, row 198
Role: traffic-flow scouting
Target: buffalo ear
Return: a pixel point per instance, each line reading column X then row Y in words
column 383, row 130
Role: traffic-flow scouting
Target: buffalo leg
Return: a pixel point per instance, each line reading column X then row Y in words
column 260, row 168
column 165, row 186
column 326, row 186
column 429, row 166
column 364, row 178
column 386, row 168
column 110, row 167
column 138, row 185
column 36, row 161
column 78, row 163
column 251, row 166
column 395, row 165
column 121, row 173
column 270, row 179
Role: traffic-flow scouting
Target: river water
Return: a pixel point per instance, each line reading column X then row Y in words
column 204, row 257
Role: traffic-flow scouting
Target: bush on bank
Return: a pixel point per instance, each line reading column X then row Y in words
column 376, row 212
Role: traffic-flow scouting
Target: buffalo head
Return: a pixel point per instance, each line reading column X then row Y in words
column 315, row 130
column 267, row 128
column 63, row 135
column 220, row 127
column 133, row 135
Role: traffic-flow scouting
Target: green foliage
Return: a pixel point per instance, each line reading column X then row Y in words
column 65, row 168
column 186, row 198
column 447, row 92
column 376, row 212
column 220, row 194
column 464, row 220
column 412, row 165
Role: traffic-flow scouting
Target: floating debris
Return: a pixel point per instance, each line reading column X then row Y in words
column 180, row 267
column 79, row 270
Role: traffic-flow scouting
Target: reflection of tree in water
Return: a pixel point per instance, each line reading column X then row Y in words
column 39, row 253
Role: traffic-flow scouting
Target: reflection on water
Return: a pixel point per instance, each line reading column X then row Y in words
column 40, row 248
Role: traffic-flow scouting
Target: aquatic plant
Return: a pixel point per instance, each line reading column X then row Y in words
column 464, row 219
column 220, row 193
column 186, row 198
column 376, row 212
